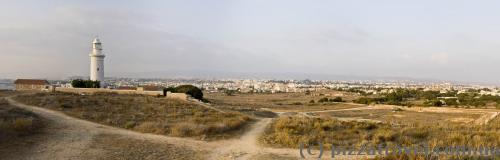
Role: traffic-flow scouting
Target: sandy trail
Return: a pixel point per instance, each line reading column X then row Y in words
column 71, row 138
column 247, row 146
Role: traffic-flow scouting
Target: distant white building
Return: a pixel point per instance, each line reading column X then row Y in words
column 97, row 62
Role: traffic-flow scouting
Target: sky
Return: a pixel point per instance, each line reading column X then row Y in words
column 455, row 40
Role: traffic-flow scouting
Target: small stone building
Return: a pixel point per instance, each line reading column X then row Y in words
column 31, row 84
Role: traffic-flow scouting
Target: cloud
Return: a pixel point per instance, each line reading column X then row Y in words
column 52, row 39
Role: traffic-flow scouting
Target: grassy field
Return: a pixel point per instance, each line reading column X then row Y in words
column 144, row 114
column 290, row 131
column 405, row 117
column 283, row 101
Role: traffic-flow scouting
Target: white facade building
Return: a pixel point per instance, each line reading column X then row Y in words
column 97, row 62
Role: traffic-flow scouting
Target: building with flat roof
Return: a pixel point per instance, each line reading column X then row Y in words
column 31, row 84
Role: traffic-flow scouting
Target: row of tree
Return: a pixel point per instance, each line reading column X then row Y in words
column 336, row 99
column 431, row 98
column 80, row 83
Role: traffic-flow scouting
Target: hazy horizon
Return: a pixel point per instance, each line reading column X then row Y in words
column 445, row 40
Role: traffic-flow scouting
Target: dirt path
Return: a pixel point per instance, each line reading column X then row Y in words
column 73, row 138
column 67, row 143
column 243, row 147
column 247, row 146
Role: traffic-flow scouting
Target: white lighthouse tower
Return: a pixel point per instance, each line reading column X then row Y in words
column 97, row 62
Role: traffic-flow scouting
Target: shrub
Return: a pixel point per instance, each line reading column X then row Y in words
column 323, row 100
column 22, row 124
column 65, row 105
column 191, row 90
column 80, row 83
column 336, row 99
column 434, row 102
column 182, row 130
column 130, row 125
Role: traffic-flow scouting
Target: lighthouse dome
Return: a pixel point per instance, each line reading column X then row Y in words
column 96, row 40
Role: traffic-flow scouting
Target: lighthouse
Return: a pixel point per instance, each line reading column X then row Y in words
column 97, row 62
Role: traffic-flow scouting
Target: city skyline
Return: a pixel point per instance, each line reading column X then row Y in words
column 446, row 40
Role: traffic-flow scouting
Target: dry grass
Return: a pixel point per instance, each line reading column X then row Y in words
column 281, row 101
column 290, row 131
column 4, row 93
column 405, row 117
column 144, row 113
column 20, row 130
column 15, row 122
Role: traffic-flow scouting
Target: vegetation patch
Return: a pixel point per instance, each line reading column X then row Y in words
column 452, row 98
column 290, row 131
column 16, row 122
column 190, row 90
column 144, row 113
column 285, row 101
column 80, row 83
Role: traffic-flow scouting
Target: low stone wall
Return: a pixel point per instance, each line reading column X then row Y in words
column 96, row 90
column 177, row 95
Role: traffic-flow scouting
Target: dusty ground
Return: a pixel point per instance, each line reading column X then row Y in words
column 71, row 138
column 148, row 114
column 20, row 130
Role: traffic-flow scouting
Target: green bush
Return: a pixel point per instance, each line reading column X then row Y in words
column 336, row 99
column 80, row 83
column 191, row 90
column 435, row 102
column 323, row 100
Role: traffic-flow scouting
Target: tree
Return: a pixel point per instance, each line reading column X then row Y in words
column 337, row 99
column 322, row 100
column 191, row 90
column 308, row 92
column 451, row 102
column 80, row 83
column 229, row 92
column 170, row 89
column 434, row 102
